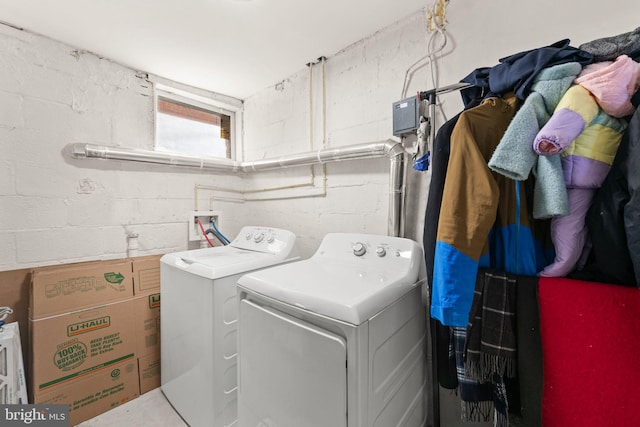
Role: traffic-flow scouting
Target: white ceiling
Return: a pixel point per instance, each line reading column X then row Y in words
column 233, row 47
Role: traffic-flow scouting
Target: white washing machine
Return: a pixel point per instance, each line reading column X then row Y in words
column 335, row 340
column 198, row 324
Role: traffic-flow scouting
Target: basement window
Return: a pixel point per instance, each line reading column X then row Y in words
column 192, row 128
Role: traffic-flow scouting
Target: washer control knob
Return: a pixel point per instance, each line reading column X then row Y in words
column 271, row 238
column 248, row 236
column 381, row 251
column 359, row 249
column 258, row 237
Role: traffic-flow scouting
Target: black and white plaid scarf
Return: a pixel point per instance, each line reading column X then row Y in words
column 486, row 350
column 476, row 398
column 491, row 333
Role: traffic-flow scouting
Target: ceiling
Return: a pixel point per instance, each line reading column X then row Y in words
column 232, row 47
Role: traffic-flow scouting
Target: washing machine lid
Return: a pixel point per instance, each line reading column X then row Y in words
column 337, row 291
column 214, row 263
column 253, row 248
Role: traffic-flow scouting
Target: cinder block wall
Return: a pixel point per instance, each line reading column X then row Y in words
column 363, row 80
column 57, row 210
column 344, row 101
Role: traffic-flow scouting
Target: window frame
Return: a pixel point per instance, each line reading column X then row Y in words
column 203, row 100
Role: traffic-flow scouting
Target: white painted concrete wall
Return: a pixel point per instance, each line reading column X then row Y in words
column 363, row 80
column 55, row 210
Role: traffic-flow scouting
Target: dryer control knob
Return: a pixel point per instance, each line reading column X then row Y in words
column 359, row 249
column 381, row 251
column 258, row 237
column 248, row 236
column 271, row 238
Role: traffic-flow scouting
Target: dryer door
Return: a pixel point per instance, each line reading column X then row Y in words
column 291, row 373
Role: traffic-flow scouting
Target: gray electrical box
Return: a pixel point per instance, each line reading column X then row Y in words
column 406, row 117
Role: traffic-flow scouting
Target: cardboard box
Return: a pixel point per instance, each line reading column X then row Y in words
column 146, row 274
column 93, row 394
column 67, row 347
column 147, row 324
column 61, row 289
column 146, row 288
column 101, row 294
column 149, row 370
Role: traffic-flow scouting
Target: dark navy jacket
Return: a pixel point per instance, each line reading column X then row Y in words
column 516, row 72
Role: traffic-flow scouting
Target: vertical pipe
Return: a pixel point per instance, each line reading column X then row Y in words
column 324, row 105
column 432, row 121
column 132, row 245
column 311, row 169
column 324, row 124
column 310, row 65
column 396, row 195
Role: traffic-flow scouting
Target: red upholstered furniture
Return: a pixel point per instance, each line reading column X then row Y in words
column 591, row 349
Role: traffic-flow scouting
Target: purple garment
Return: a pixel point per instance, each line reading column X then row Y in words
column 569, row 233
column 583, row 172
column 561, row 130
column 585, row 147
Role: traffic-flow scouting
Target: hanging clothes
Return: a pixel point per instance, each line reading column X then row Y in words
column 614, row 217
column 517, row 72
column 484, row 219
column 608, row 48
column 476, row 398
column 446, row 370
column 514, row 156
column 530, row 357
column 446, row 367
column 587, row 139
column 612, row 84
column 490, row 348
column 480, row 398
column 478, row 218
column 440, row 160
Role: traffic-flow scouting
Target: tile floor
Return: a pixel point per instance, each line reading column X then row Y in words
column 150, row 409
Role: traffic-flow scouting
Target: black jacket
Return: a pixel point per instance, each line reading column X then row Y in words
column 614, row 217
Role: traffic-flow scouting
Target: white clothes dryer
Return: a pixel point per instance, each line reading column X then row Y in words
column 336, row 340
column 198, row 324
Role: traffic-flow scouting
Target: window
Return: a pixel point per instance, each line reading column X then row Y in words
column 192, row 128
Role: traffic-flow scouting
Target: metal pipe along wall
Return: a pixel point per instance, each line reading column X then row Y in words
column 389, row 148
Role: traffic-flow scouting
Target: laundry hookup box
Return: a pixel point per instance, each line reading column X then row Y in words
column 82, row 337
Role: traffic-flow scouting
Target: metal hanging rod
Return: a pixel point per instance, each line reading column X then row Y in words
column 430, row 95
